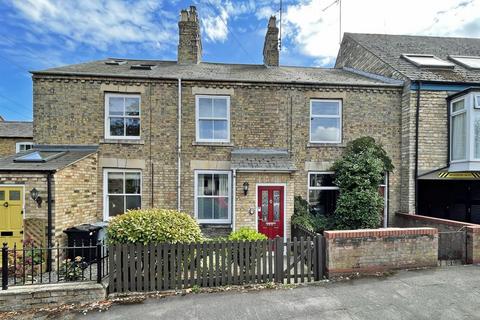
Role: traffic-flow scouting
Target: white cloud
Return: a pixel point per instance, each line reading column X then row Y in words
column 100, row 24
column 215, row 27
column 316, row 32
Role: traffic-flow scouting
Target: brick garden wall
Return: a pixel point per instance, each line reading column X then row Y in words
column 380, row 250
column 50, row 295
column 472, row 230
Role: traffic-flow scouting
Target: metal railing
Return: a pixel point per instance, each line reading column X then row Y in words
column 28, row 265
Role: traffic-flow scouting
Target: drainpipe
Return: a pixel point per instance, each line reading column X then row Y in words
column 234, row 195
column 179, row 144
column 49, row 221
column 417, row 118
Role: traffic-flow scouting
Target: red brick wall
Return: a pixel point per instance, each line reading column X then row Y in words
column 473, row 230
column 380, row 250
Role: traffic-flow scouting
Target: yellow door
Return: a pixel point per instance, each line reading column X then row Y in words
column 11, row 216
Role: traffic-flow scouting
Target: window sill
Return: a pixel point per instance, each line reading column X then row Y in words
column 326, row 145
column 122, row 141
column 214, row 224
column 213, row 144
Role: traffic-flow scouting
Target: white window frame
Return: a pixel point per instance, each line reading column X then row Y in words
column 24, row 143
column 339, row 116
column 213, row 221
column 106, row 215
column 318, row 188
column 468, row 132
column 197, row 118
column 107, row 115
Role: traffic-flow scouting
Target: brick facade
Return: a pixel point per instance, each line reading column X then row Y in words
column 380, row 250
column 8, row 145
column 283, row 123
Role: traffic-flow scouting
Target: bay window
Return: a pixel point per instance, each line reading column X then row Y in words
column 213, row 196
column 464, row 132
column 122, row 191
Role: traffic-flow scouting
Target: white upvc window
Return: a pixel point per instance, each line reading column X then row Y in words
column 122, row 191
column 23, row 146
column 322, row 192
column 213, row 197
column 458, row 127
column 325, row 121
column 212, row 115
column 122, row 116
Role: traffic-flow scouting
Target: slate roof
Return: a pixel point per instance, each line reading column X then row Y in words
column 253, row 159
column 389, row 48
column 68, row 154
column 16, row 129
column 217, row 72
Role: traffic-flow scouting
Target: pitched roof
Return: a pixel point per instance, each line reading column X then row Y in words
column 60, row 157
column 216, row 72
column 390, row 48
column 16, row 129
column 254, row 159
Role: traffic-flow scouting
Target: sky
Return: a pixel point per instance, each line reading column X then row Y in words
column 39, row 34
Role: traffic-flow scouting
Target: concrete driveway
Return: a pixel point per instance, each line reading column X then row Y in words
column 444, row 293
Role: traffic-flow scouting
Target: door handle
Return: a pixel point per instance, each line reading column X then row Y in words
column 5, row 204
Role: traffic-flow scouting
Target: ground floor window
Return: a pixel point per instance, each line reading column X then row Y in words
column 322, row 193
column 213, row 196
column 122, row 190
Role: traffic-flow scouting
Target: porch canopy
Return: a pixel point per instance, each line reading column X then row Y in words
column 262, row 160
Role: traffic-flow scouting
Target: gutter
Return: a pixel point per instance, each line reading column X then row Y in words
column 179, row 145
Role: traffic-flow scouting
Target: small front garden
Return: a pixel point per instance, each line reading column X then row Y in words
column 358, row 174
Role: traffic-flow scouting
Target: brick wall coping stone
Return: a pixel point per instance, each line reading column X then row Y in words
column 38, row 288
column 437, row 220
column 383, row 232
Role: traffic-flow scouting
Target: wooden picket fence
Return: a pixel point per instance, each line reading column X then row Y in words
column 166, row 266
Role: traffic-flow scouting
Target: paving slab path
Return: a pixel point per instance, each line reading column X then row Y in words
column 442, row 293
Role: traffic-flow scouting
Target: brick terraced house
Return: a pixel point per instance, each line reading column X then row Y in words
column 15, row 136
column 231, row 144
column 440, row 132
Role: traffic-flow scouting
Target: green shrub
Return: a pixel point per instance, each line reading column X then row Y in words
column 152, row 226
column 358, row 174
column 303, row 216
column 247, row 234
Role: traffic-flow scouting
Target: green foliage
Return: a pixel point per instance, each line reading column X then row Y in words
column 303, row 216
column 152, row 226
column 246, row 234
column 358, row 174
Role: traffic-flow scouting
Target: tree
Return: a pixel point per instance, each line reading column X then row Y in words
column 358, row 174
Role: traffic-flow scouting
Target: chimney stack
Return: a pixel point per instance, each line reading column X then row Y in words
column 270, row 47
column 189, row 41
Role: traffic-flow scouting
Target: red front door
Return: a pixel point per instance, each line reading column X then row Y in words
column 270, row 210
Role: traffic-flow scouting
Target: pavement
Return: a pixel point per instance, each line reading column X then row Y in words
column 442, row 293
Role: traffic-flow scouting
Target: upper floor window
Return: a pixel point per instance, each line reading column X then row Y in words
column 23, row 146
column 122, row 116
column 465, row 132
column 212, row 118
column 326, row 121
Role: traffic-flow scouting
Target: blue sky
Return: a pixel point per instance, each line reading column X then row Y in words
column 38, row 34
